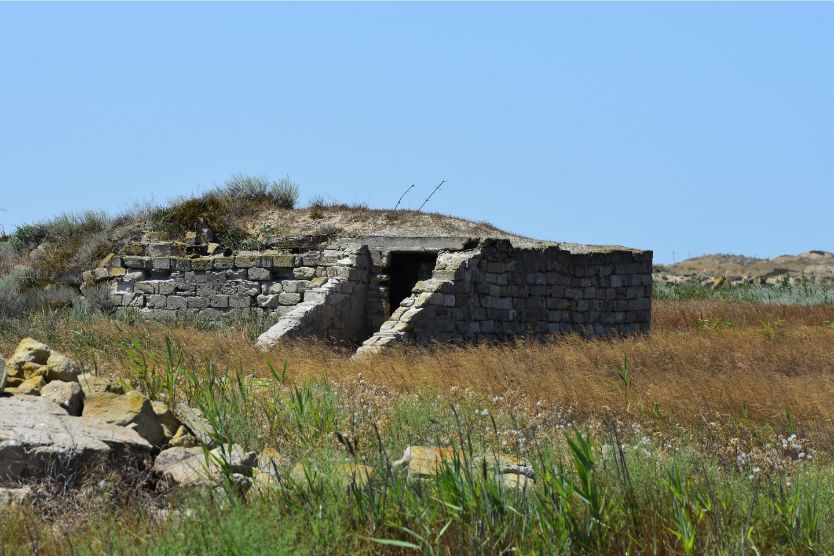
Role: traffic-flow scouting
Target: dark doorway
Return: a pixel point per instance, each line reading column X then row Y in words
column 406, row 270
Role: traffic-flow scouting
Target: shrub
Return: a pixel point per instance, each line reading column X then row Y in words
column 282, row 193
column 317, row 206
column 192, row 215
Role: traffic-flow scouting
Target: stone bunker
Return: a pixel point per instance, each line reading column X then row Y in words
column 380, row 290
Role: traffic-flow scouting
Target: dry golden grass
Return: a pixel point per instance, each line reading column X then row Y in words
column 773, row 369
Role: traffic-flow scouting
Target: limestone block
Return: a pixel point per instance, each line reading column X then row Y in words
column 289, row 298
column 46, row 438
column 294, row 286
column 304, row 272
column 166, row 287
column 131, row 277
column 176, row 302
column 197, row 303
column 156, row 302
column 163, row 249
column 145, row 287
column 283, row 261
column 136, row 262
column 240, row 301
column 131, row 409
column 245, row 261
column 68, row 395
column 256, row 273
column 223, row 263
column 202, row 263
column 134, row 249
column 181, row 264
column 161, row 263
column 219, row 301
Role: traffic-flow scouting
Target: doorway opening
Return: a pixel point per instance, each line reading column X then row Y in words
column 405, row 271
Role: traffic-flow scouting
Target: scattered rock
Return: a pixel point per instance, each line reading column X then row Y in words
column 238, row 460
column 66, row 394
column 127, row 410
column 15, row 496
column 270, row 462
column 30, row 352
column 428, row 461
column 194, row 420
column 170, row 424
column 194, row 466
column 37, row 438
column 31, row 386
column 61, row 367
column 183, row 439
column 92, row 384
column 183, row 466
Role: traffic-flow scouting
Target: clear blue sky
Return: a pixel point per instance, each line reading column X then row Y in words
column 686, row 128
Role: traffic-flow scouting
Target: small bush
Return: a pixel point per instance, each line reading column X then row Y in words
column 282, row 193
column 192, row 215
column 317, row 206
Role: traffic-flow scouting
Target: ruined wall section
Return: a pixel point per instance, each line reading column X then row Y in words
column 156, row 283
column 497, row 292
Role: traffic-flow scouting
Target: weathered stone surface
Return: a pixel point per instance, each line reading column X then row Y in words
column 66, row 394
column 195, row 422
column 31, row 386
column 15, row 496
column 183, row 439
column 183, row 466
column 27, row 351
column 37, row 437
column 3, row 375
column 61, row 367
column 428, row 461
column 126, row 410
column 195, row 466
column 269, row 465
column 170, row 423
column 92, row 384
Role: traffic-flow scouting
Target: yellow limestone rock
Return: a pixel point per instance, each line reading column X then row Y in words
column 30, row 354
column 170, row 424
column 32, row 386
column 61, row 367
column 428, row 461
column 131, row 410
column 92, row 385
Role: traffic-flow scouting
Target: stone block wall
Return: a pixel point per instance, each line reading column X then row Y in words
column 157, row 282
column 497, row 291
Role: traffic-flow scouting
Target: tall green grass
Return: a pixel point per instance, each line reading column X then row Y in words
column 604, row 488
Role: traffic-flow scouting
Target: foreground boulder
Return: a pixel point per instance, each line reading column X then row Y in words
column 38, row 439
column 127, row 410
column 66, row 394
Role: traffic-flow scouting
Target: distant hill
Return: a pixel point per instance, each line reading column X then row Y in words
column 815, row 266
